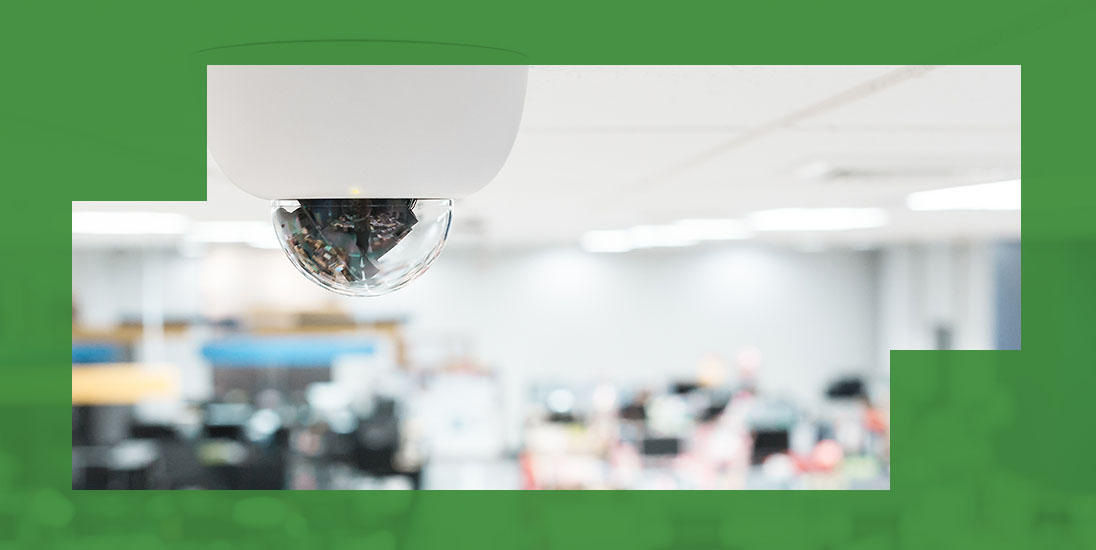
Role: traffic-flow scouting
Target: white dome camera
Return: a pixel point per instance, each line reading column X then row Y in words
column 362, row 162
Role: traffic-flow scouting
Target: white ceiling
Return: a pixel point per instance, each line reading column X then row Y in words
column 611, row 147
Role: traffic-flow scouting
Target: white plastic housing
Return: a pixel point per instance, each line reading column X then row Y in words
column 362, row 131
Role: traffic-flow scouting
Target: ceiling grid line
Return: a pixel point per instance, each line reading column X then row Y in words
column 840, row 99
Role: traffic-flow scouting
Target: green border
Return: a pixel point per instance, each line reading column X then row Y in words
column 105, row 101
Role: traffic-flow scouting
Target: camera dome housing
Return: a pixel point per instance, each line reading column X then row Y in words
column 362, row 247
column 362, row 162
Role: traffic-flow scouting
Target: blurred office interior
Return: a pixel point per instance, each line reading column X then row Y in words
column 683, row 278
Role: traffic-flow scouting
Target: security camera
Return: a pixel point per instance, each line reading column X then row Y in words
column 362, row 162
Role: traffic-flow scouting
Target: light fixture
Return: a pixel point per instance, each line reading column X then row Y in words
column 128, row 223
column 606, row 241
column 252, row 233
column 680, row 233
column 659, row 236
column 713, row 229
column 1002, row 195
column 817, row 219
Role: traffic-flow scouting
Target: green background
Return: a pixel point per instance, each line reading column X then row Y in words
column 105, row 101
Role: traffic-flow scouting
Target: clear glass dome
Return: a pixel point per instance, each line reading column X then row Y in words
column 362, row 247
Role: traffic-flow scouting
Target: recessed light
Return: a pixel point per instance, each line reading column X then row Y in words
column 1002, row 195
column 713, row 229
column 659, row 236
column 128, row 223
column 606, row 241
column 817, row 219
column 253, row 233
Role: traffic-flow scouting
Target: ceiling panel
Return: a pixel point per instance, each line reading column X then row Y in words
column 580, row 165
column 805, row 166
column 679, row 97
column 954, row 97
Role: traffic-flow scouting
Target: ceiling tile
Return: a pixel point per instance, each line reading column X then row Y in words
column 953, row 97
column 681, row 97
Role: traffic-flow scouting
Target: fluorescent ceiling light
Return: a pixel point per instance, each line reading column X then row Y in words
column 679, row 233
column 606, row 241
column 657, row 236
column 1002, row 195
column 254, row 233
column 817, row 219
column 638, row 237
column 128, row 223
column 713, row 229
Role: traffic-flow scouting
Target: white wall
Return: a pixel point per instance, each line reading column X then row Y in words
column 922, row 286
column 108, row 283
column 568, row 315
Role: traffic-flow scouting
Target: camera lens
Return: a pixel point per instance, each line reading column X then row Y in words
column 362, row 247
